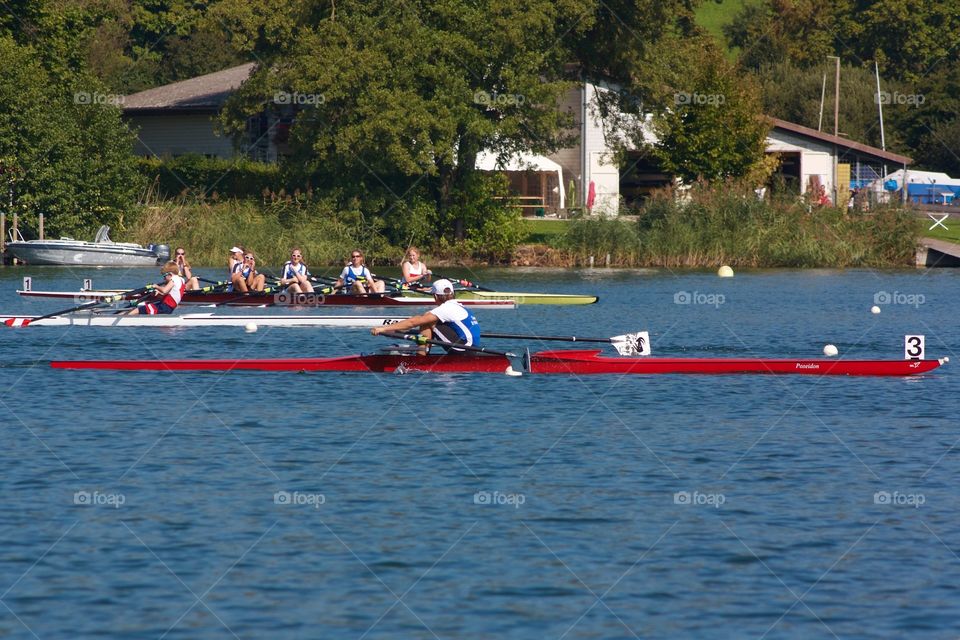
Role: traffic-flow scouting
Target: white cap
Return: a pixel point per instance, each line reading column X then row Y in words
column 441, row 287
column 236, row 249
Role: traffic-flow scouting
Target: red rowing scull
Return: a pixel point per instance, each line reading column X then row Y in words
column 571, row 362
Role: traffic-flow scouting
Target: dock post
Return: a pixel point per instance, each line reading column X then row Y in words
column 40, row 225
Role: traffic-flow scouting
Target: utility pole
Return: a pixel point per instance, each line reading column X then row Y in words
column 836, row 133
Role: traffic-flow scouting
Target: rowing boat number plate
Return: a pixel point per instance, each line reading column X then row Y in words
column 913, row 347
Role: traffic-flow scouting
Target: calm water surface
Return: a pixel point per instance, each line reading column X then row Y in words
column 283, row 505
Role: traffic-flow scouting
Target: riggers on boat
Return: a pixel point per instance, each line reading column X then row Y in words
column 281, row 298
column 569, row 362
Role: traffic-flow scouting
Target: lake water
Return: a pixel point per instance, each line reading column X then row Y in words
column 325, row 505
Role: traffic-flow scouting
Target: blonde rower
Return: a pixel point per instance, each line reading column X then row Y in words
column 414, row 271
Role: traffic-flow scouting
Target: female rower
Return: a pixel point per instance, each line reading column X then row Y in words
column 180, row 257
column 295, row 273
column 245, row 276
column 356, row 278
column 170, row 293
column 414, row 271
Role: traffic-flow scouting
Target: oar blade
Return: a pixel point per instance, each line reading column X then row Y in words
column 17, row 322
column 632, row 344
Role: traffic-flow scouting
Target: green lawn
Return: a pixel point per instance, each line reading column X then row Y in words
column 541, row 231
column 950, row 234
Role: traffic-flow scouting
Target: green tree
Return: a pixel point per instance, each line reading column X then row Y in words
column 401, row 95
column 803, row 32
column 709, row 124
column 69, row 151
column 793, row 93
column 910, row 40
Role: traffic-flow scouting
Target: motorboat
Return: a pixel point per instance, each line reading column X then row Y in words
column 102, row 252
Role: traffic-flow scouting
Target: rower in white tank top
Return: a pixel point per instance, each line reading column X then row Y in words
column 414, row 271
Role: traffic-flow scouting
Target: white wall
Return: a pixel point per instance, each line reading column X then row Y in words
column 570, row 158
column 591, row 158
column 816, row 158
column 176, row 135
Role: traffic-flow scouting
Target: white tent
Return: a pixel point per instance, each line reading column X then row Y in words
column 488, row 161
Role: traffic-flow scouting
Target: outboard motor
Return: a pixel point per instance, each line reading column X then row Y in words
column 162, row 251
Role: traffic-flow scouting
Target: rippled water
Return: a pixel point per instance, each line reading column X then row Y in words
column 457, row 506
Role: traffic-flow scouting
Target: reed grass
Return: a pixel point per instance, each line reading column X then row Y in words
column 725, row 225
column 207, row 232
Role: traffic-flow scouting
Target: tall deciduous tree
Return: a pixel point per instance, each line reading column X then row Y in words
column 66, row 153
column 709, row 123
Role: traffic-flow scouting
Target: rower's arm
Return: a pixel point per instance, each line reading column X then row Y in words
column 424, row 320
column 164, row 288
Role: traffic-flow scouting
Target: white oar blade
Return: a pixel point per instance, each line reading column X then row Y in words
column 632, row 344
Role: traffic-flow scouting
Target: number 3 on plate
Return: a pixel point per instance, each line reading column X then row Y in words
column 913, row 347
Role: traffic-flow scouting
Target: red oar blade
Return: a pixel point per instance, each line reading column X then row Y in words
column 17, row 322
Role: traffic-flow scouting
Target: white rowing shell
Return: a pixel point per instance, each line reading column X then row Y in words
column 204, row 320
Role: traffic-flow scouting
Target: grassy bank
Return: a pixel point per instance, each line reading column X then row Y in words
column 208, row 231
column 713, row 227
column 721, row 226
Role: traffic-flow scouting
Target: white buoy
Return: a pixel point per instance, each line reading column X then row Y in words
column 830, row 350
column 250, row 327
column 725, row 272
column 874, row 309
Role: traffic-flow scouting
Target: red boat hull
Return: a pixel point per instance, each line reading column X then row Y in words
column 570, row 362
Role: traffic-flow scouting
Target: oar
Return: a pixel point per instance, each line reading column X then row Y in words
column 135, row 293
column 630, row 344
column 214, row 283
column 466, row 284
column 416, row 337
column 248, row 294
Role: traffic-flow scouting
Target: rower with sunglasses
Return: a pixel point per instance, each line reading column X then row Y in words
column 170, row 293
column 356, row 277
column 180, row 257
column 244, row 276
column 295, row 273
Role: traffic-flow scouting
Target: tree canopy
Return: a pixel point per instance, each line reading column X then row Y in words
column 64, row 150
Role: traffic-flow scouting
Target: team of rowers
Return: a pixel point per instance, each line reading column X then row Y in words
column 355, row 277
column 449, row 322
